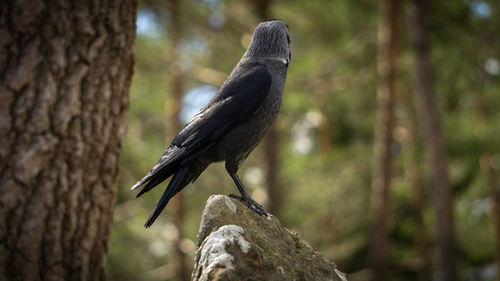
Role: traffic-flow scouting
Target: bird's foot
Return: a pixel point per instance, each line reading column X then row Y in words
column 251, row 204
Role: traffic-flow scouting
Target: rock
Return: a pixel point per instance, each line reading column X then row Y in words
column 235, row 243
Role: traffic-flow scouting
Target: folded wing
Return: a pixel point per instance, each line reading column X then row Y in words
column 239, row 98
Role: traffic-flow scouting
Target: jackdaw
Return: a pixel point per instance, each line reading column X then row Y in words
column 233, row 122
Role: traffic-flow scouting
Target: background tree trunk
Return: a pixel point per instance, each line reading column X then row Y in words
column 494, row 190
column 430, row 123
column 65, row 70
column 382, row 171
column 413, row 174
column 273, row 189
column 173, row 109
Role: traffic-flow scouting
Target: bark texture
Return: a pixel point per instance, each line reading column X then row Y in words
column 434, row 142
column 382, row 172
column 65, row 70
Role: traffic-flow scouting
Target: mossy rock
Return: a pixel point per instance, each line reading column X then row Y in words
column 234, row 243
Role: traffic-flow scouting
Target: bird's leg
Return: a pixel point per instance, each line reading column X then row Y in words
column 245, row 197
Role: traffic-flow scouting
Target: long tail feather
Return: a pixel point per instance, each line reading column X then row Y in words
column 154, row 181
column 173, row 187
column 142, row 181
column 165, row 166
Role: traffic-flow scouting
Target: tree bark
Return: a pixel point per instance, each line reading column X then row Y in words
column 430, row 124
column 382, row 172
column 173, row 109
column 65, row 71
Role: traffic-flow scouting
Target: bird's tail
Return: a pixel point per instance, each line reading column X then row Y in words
column 154, row 181
column 174, row 186
column 142, row 181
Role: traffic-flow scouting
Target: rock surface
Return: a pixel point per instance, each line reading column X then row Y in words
column 235, row 243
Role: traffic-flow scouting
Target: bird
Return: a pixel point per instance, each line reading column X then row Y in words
column 232, row 123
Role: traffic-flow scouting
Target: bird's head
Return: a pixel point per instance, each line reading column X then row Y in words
column 270, row 40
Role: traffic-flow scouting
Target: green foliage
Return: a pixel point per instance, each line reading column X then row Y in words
column 326, row 190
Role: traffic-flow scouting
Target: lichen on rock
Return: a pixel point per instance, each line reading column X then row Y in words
column 213, row 249
column 235, row 243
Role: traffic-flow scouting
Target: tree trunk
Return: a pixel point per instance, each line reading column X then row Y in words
column 272, row 170
column 65, row 70
column 413, row 175
column 429, row 121
column 421, row 236
column 173, row 109
column 494, row 189
column 262, row 8
column 382, row 172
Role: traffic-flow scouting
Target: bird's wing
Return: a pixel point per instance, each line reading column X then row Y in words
column 238, row 99
column 235, row 102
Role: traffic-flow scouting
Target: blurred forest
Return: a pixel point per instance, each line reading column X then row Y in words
column 322, row 155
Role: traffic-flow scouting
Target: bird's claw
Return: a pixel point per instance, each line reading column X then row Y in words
column 251, row 204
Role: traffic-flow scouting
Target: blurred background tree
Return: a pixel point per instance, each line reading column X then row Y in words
column 325, row 133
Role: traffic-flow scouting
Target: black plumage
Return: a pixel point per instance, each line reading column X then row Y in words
column 234, row 121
